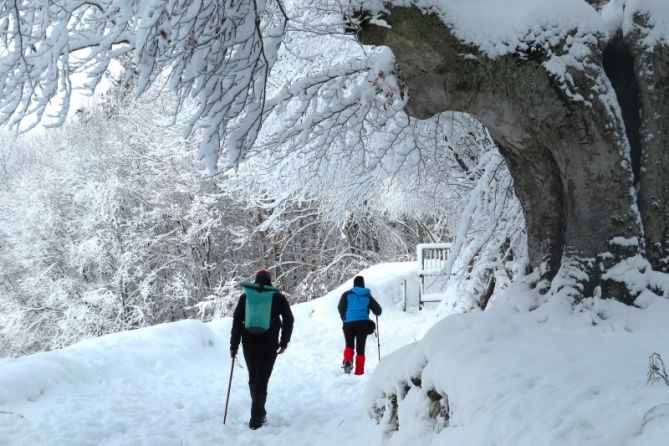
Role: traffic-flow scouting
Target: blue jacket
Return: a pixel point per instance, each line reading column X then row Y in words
column 355, row 304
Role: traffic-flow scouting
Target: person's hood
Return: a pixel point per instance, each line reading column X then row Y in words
column 258, row 286
column 360, row 291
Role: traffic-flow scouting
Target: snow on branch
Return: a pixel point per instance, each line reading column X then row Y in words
column 338, row 104
column 218, row 52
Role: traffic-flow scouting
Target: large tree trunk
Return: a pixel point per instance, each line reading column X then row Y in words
column 569, row 156
column 652, row 72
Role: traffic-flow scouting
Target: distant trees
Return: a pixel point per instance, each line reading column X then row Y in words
column 108, row 224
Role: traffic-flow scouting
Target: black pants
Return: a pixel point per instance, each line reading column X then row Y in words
column 355, row 334
column 260, row 358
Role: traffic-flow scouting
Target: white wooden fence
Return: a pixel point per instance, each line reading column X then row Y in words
column 432, row 259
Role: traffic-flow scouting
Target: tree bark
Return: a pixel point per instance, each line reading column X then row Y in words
column 652, row 72
column 569, row 157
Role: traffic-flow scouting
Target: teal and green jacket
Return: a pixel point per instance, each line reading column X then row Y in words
column 280, row 318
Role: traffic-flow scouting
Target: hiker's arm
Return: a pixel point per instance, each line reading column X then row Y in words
column 287, row 321
column 374, row 306
column 343, row 304
column 237, row 324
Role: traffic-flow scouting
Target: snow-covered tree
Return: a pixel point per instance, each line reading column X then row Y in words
column 576, row 100
column 548, row 64
column 216, row 51
column 115, row 227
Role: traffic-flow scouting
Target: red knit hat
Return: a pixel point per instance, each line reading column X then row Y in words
column 263, row 277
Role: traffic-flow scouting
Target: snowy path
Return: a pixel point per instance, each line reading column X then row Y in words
column 166, row 386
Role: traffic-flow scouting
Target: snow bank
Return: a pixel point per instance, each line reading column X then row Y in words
column 514, row 377
column 147, row 350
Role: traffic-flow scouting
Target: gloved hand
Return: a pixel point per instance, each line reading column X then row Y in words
column 280, row 350
column 233, row 353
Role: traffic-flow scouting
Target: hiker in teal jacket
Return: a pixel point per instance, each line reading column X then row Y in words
column 261, row 314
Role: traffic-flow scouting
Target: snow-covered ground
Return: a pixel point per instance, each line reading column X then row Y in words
column 166, row 385
column 521, row 373
column 526, row 372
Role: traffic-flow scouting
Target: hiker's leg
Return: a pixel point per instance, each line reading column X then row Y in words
column 360, row 340
column 265, row 366
column 349, row 338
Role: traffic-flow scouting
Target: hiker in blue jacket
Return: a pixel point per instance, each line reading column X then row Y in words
column 354, row 307
column 261, row 313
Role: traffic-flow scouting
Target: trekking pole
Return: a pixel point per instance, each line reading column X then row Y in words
column 227, row 398
column 378, row 337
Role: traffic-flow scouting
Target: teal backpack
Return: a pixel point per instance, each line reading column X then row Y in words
column 258, row 306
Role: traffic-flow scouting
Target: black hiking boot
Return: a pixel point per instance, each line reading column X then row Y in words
column 347, row 366
column 255, row 424
column 258, row 413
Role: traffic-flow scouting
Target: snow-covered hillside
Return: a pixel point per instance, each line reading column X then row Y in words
column 166, row 385
column 517, row 374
